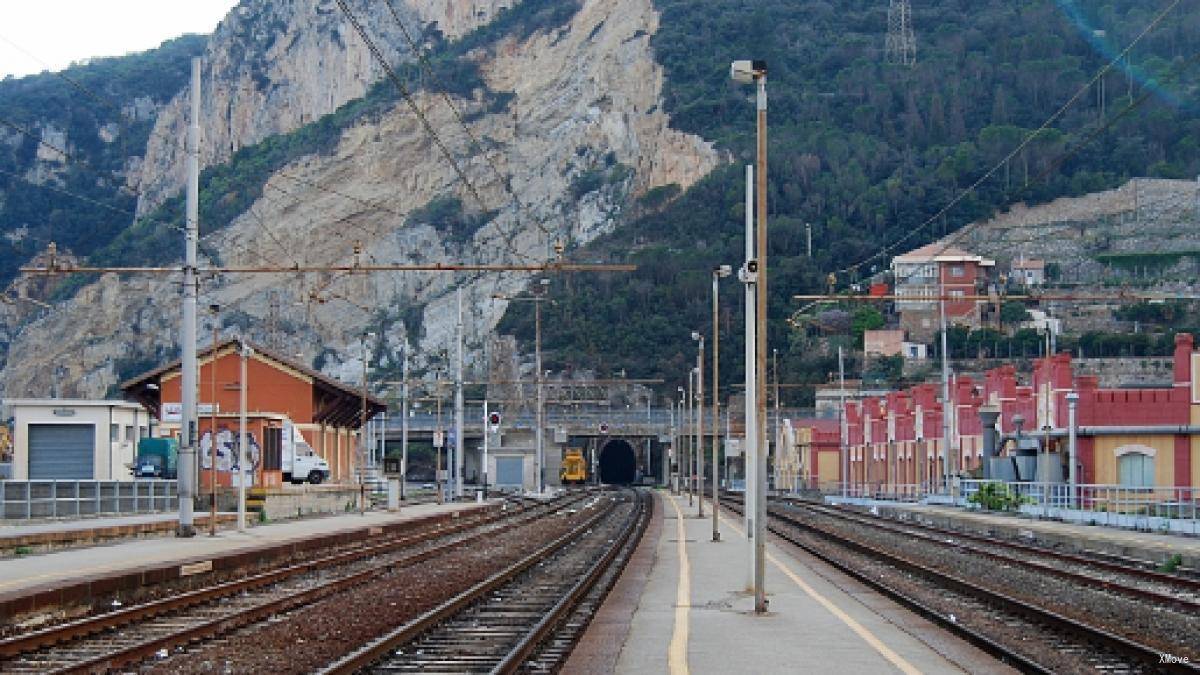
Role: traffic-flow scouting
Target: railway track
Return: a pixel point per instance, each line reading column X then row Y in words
column 129, row 635
column 1181, row 593
column 1031, row 637
column 524, row 618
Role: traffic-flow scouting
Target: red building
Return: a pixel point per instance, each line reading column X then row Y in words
column 327, row 413
column 933, row 271
column 1132, row 437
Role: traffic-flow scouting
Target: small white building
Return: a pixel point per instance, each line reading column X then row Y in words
column 69, row 439
column 1029, row 273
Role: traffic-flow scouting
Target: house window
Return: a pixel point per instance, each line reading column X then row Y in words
column 957, row 271
column 1135, row 469
column 128, row 433
column 114, row 433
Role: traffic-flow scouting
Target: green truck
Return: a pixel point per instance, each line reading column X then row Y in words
column 156, row 458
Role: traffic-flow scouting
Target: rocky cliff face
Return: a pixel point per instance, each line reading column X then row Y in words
column 583, row 133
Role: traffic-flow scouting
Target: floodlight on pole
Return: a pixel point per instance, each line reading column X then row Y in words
column 755, row 72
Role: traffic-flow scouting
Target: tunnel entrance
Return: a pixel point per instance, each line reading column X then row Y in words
column 618, row 463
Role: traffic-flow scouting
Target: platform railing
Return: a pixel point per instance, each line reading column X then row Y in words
column 41, row 499
column 1151, row 509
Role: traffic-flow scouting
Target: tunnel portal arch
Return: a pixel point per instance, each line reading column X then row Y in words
column 618, row 462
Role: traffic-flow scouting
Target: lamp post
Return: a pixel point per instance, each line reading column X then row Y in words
column 539, row 296
column 719, row 272
column 699, row 338
column 755, row 72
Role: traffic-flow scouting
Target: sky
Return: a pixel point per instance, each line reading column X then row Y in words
column 51, row 34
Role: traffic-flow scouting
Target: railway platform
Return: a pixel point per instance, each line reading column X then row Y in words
column 68, row 576
column 42, row 536
column 683, row 607
column 1151, row 547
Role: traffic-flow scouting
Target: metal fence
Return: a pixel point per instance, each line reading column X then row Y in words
column 30, row 499
column 1174, row 510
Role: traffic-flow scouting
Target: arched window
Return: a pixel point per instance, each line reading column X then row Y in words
column 1135, row 468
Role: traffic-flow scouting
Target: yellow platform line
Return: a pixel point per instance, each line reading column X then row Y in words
column 860, row 630
column 677, row 659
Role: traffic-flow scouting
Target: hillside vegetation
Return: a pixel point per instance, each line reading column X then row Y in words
column 104, row 110
column 867, row 152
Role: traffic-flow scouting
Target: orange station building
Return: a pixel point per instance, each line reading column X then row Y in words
column 327, row 413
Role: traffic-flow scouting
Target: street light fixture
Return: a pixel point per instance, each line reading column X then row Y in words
column 755, row 72
column 719, row 272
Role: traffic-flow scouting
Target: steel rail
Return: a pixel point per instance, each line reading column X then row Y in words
column 384, row 645
column 144, row 650
column 521, row 652
column 905, row 528
column 20, row 645
column 1088, row 634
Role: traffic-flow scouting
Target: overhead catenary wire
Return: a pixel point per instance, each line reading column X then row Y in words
column 408, row 98
column 505, row 180
column 1029, row 138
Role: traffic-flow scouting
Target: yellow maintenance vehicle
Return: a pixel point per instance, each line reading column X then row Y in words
column 574, row 467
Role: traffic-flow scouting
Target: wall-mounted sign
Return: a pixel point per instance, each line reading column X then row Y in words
column 173, row 412
column 64, row 412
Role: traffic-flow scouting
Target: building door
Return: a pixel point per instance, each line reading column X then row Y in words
column 62, row 451
column 510, row 471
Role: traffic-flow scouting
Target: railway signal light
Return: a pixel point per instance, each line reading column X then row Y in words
column 494, row 421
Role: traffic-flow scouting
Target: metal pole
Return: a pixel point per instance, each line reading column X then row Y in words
column 760, row 498
column 843, row 431
column 404, row 425
column 243, row 440
column 484, row 469
column 539, row 433
column 362, row 435
column 691, row 432
column 716, row 412
column 440, row 441
column 674, row 483
column 945, row 388
column 778, row 435
column 212, row 445
column 188, row 368
column 700, row 429
column 458, row 405
column 1072, row 447
column 749, row 452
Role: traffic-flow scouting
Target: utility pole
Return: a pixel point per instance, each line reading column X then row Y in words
column 808, row 235
column 486, row 433
column 699, row 426
column 245, row 353
column 778, row 435
column 404, row 424
column 718, row 272
column 750, row 451
column 458, row 404
column 212, row 410
column 843, row 431
column 539, row 434
column 362, row 431
column 760, row 496
column 900, row 47
column 691, row 422
column 945, row 385
column 187, row 470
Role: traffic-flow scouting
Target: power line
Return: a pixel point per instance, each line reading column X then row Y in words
column 68, row 194
column 416, row 110
column 505, row 180
column 1029, row 138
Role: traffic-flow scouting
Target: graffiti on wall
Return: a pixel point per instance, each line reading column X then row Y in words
column 227, row 452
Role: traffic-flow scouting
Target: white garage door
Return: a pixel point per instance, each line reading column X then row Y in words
column 61, row 451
